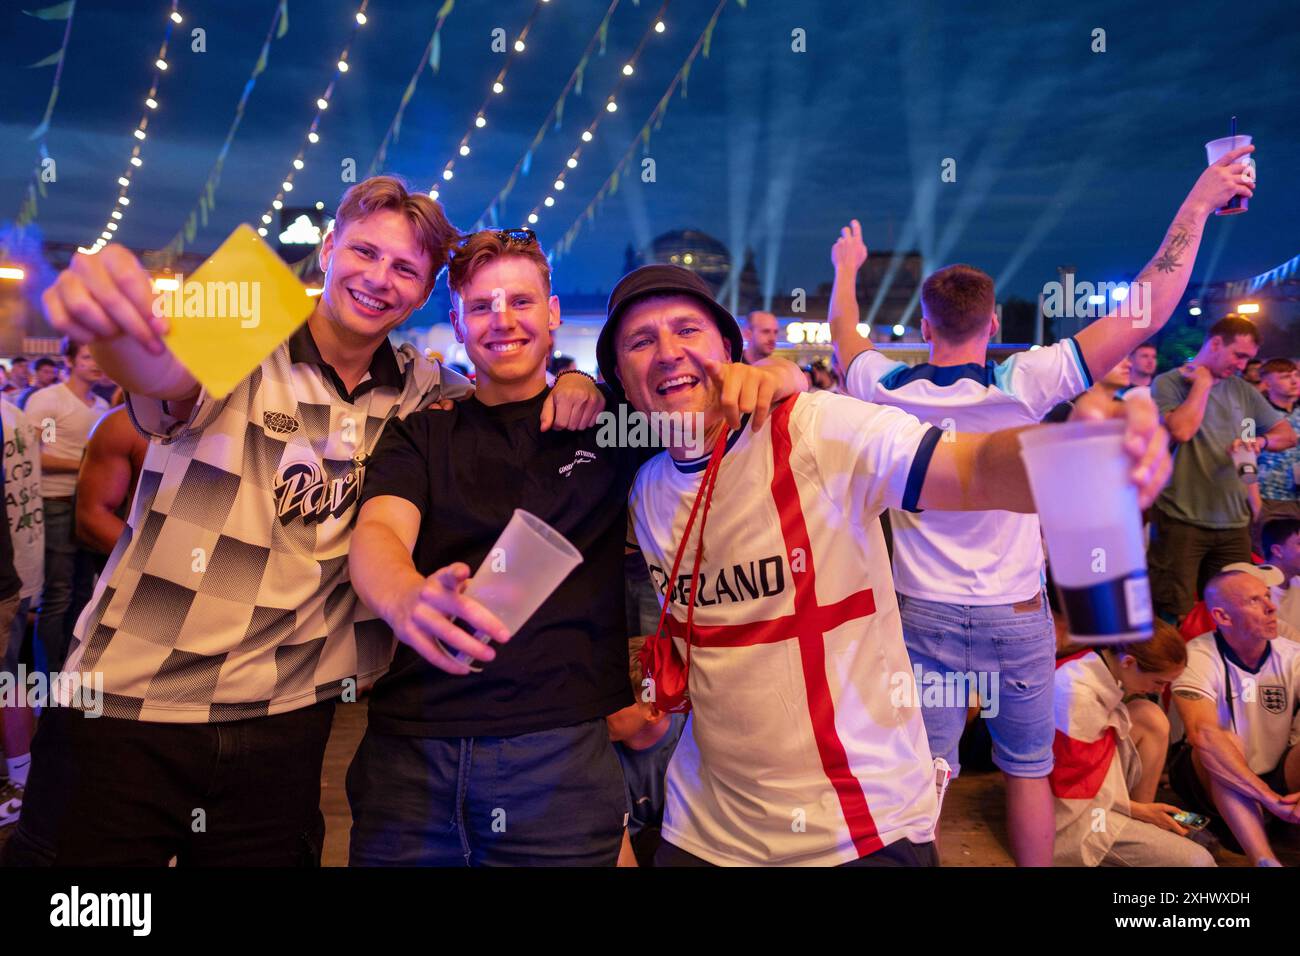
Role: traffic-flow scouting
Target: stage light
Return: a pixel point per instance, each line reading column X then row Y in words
column 13, row 273
column 1248, row 308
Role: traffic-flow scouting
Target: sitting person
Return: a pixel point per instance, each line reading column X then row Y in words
column 1237, row 700
column 644, row 739
column 1281, row 543
column 1109, row 753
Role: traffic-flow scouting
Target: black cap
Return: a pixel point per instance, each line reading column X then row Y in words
column 659, row 280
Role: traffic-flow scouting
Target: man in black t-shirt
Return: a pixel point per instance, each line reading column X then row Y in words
column 511, row 765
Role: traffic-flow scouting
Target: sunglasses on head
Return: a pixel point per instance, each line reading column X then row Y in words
column 520, row 237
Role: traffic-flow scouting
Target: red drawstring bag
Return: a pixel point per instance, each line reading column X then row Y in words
column 659, row 658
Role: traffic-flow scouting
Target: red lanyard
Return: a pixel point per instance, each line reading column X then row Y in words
column 705, row 492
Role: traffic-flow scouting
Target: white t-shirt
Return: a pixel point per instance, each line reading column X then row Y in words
column 970, row 557
column 67, row 421
column 23, row 503
column 1261, row 707
column 805, row 744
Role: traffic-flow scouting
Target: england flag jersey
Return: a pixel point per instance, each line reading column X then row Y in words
column 971, row 557
column 805, row 744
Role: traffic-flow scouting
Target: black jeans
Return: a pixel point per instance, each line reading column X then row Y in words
column 108, row 792
column 1182, row 557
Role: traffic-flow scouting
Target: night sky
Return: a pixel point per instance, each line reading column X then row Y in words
column 1062, row 155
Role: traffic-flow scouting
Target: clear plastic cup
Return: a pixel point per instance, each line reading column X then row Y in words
column 1246, row 463
column 1214, row 151
column 1088, row 508
column 528, row 562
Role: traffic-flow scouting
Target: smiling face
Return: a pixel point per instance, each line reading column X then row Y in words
column 376, row 274
column 505, row 317
column 659, row 347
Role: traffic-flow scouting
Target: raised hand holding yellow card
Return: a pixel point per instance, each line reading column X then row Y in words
column 235, row 309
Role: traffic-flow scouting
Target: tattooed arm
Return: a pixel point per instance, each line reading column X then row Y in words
column 1157, row 289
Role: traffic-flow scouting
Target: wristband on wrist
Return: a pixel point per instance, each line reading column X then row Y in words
column 575, row 371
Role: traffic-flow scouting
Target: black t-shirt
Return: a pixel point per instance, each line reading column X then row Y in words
column 467, row 470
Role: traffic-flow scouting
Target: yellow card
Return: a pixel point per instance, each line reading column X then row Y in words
column 233, row 312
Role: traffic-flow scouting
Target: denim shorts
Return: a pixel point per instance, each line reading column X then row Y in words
column 1005, row 653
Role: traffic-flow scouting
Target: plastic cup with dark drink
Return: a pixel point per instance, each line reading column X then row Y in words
column 1214, row 150
column 1088, row 508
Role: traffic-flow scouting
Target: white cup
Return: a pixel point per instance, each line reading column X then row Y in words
column 1246, row 463
column 528, row 562
column 1088, row 508
column 1214, row 151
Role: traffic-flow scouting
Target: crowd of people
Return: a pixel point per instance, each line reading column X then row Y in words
column 228, row 571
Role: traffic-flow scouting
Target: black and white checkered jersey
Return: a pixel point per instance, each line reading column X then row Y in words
column 228, row 596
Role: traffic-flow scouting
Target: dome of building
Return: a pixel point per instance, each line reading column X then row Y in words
column 694, row 250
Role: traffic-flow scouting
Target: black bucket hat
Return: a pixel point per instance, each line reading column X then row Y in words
column 658, row 280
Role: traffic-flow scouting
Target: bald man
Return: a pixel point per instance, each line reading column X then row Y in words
column 760, row 329
column 1238, row 701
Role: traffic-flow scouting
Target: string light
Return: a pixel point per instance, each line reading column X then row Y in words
column 151, row 103
column 176, row 17
column 498, row 87
column 313, row 136
column 588, row 134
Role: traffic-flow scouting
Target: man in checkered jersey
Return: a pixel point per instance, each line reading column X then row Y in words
column 805, row 745
column 225, row 624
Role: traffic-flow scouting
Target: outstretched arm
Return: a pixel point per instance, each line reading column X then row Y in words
column 984, row 472
column 1162, row 283
column 847, row 255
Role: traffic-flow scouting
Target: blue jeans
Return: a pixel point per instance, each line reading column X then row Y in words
column 551, row 798
column 1007, row 654
column 69, row 582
